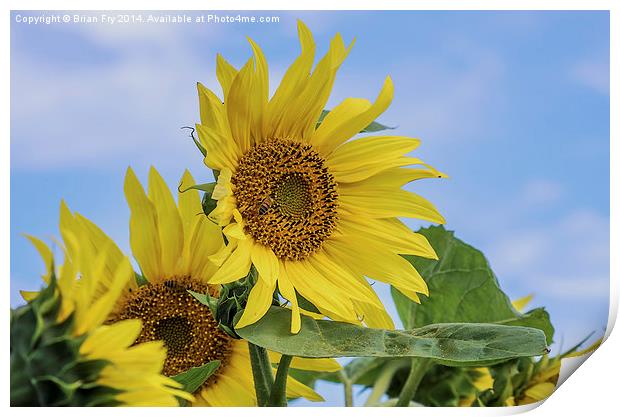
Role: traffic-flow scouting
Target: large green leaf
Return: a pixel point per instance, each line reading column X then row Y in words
column 450, row 343
column 462, row 288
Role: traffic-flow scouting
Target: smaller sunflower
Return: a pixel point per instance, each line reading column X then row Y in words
column 73, row 357
column 172, row 245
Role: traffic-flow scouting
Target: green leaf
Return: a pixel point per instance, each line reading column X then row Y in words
column 462, row 288
column 193, row 378
column 373, row 127
column 451, row 343
column 537, row 318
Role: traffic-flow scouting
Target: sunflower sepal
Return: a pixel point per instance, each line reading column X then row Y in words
column 207, row 187
column 194, row 378
column 208, row 203
column 46, row 366
column 231, row 300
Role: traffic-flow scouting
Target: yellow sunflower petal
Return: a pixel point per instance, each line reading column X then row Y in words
column 225, row 74
column 385, row 203
column 144, row 236
column 300, row 119
column 313, row 286
column 369, row 151
column 236, row 266
column 378, row 263
column 190, row 207
column 389, row 232
column 206, row 241
column 169, row 223
column 520, row 303
column 106, row 339
column 28, row 296
column 337, row 130
column 540, row 391
column 390, row 177
column 101, row 308
column 259, row 93
column 259, row 301
column 239, row 107
column 288, row 291
column 295, row 389
column 45, row 253
column 344, row 277
column 221, row 150
column 266, row 262
column 308, row 364
column 292, row 83
column 373, row 316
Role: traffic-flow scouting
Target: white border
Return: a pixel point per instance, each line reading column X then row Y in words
column 592, row 391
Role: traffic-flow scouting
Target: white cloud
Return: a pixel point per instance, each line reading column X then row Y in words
column 593, row 74
column 569, row 287
column 128, row 108
column 541, row 192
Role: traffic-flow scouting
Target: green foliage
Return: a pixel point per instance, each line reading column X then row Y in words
column 451, row 343
column 46, row 366
column 462, row 288
column 193, row 378
column 208, row 204
column 232, row 299
column 372, row 127
column 441, row 386
column 206, row 187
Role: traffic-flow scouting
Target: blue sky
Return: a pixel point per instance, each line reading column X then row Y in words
column 514, row 106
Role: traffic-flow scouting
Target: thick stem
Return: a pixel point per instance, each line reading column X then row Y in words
column 348, row 388
column 419, row 366
column 262, row 373
column 278, row 392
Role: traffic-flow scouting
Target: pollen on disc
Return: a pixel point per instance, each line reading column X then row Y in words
column 287, row 197
column 170, row 314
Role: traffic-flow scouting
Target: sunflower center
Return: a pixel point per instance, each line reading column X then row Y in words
column 176, row 332
column 292, row 195
column 170, row 314
column 287, row 197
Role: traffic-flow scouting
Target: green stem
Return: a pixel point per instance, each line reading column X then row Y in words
column 348, row 388
column 419, row 366
column 278, row 392
column 262, row 373
column 383, row 382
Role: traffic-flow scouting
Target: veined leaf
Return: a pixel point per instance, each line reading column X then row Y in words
column 462, row 288
column 450, row 343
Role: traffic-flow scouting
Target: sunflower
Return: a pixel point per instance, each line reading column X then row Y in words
column 315, row 213
column 59, row 364
column 172, row 244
